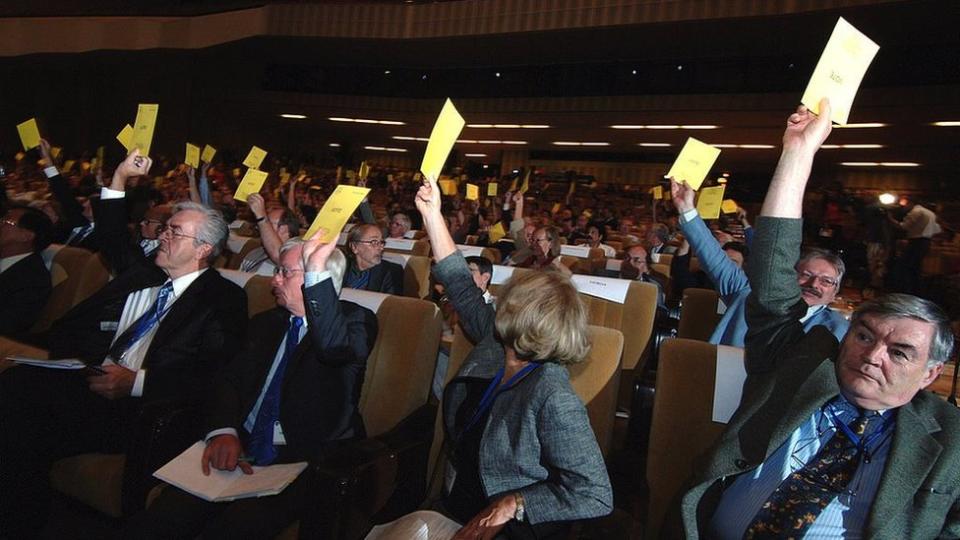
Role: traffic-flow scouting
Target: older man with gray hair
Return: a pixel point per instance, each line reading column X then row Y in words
column 291, row 393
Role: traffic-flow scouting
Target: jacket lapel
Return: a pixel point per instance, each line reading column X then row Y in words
column 182, row 310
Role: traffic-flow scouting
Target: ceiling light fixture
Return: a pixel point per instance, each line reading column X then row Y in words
column 508, row 126
column 366, row 121
column 475, row 155
column 899, row 164
column 859, row 163
column 384, row 149
column 654, row 144
column 887, row 198
column 862, row 125
column 294, row 116
column 334, row 145
column 665, row 126
column 947, row 123
column 576, row 143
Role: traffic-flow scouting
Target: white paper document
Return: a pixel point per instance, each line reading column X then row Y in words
column 422, row 525
column 66, row 363
column 582, row 252
column 185, row 472
column 399, row 244
column 728, row 386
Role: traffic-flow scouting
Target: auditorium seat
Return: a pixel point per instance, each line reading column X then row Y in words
column 408, row 247
column 259, row 290
column 416, row 273
column 239, row 247
column 75, row 274
column 698, row 314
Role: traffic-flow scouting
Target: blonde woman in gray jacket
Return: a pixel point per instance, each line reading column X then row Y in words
column 523, row 460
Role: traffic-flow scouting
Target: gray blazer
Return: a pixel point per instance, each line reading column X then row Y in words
column 537, row 440
column 790, row 375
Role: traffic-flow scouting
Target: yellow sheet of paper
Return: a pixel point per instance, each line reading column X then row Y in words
column 29, row 133
column 193, row 156
column 208, row 153
column 445, row 132
column 473, row 192
column 496, row 232
column 126, row 137
column 573, row 187
column 364, row 170
column 513, row 185
column 255, row 157
column 492, row 189
column 55, row 152
column 709, row 201
column 657, row 192
column 840, row 70
column 341, row 204
column 252, row 183
column 526, row 182
column 728, row 206
column 448, row 187
column 67, row 165
column 694, row 162
column 143, row 127
column 100, row 152
column 556, row 208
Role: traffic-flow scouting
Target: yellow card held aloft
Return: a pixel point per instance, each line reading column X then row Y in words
column 473, row 192
column 192, row 156
column 67, row 165
column 208, row 153
column 55, row 152
column 252, row 183
column 709, row 201
column 657, row 192
column 694, row 162
column 448, row 187
column 728, row 206
column 496, row 232
column 335, row 213
column 840, row 70
column 445, row 132
column 492, row 188
column 29, row 133
column 255, row 157
column 526, row 182
column 126, row 137
column 364, row 171
column 143, row 127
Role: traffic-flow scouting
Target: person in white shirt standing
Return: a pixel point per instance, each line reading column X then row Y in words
column 919, row 226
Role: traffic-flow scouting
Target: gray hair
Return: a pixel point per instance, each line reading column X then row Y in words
column 832, row 258
column 213, row 230
column 336, row 263
column 404, row 220
column 906, row 306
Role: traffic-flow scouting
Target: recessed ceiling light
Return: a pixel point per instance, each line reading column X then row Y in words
column 576, row 143
column 514, row 142
column 756, row 146
column 384, row 149
column 663, row 126
column 861, row 146
column 720, row 145
column 475, row 155
column 726, row 175
column 366, row 121
column 479, row 125
column 947, row 123
column 535, row 126
column 898, row 164
column 698, row 126
column 334, row 145
column 654, row 144
column 859, row 163
column 408, row 138
column 508, row 126
column 628, row 126
column 497, row 74
column 294, row 116
column 862, row 125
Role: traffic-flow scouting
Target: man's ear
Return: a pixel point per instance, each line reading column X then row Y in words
column 204, row 251
column 931, row 375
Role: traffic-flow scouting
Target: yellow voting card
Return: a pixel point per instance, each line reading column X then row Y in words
column 364, row 171
column 513, row 185
column 255, row 157
column 840, row 70
column 445, row 132
column 143, row 127
column 126, row 137
column 709, row 201
column 473, row 192
column 192, row 156
column 694, row 162
column 573, row 187
column 252, row 183
column 208, row 153
column 448, row 187
column 335, row 213
column 526, row 182
column 728, row 206
column 29, row 133
column 55, row 152
column 556, row 208
column 492, row 188
column 657, row 192
column 496, row 232
column 68, row 164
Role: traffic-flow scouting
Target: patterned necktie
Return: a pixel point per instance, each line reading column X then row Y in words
column 141, row 326
column 78, row 234
column 793, row 507
column 260, row 445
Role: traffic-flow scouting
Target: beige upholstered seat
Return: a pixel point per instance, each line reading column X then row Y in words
column 682, row 428
column 235, row 258
column 698, row 317
column 416, row 273
column 419, row 247
column 258, row 288
column 76, row 274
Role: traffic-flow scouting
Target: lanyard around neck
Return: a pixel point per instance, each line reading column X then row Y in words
column 862, row 443
column 492, row 391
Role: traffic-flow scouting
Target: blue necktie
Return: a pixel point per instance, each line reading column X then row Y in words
column 141, row 326
column 260, row 445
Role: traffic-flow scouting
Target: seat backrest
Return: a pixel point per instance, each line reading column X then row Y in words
column 258, row 288
column 76, row 274
column 239, row 247
column 408, row 247
column 662, row 258
column 501, row 274
column 416, row 273
column 698, row 316
column 682, row 428
column 634, row 317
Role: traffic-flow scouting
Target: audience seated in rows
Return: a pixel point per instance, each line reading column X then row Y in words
column 24, row 279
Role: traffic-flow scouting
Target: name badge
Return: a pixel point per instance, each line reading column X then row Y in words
column 109, row 326
column 278, row 438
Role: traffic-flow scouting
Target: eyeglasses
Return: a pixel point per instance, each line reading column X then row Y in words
column 287, row 273
column 826, row 281
column 10, row 222
column 374, row 242
column 176, row 234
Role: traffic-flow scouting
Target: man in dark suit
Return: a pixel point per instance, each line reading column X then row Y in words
column 831, row 440
column 156, row 332
column 79, row 226
column 24, row 278
column 367, row 270
column 290, row 394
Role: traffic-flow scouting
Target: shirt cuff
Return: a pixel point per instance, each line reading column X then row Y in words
column 221, row 431
column 107, row 193
column 137, row 390
column 312, row 278
column 689, row 215
column 51, row 171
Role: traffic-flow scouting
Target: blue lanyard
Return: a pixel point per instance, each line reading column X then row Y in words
column 862, row 444
column 490, row 395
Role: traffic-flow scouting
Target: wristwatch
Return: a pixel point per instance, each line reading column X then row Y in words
column 521, row 508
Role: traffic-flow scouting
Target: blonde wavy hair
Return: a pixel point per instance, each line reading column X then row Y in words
column 541, row 317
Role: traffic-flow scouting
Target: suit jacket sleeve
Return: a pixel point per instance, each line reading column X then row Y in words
column 339, row 340
column 392, row 279
column 725, row 274
column 476, row 316
column 72, row 211
column 116, row 244
column 25, row 288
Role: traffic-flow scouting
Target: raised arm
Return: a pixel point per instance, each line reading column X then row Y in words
column 111, row 216
column 72, row 211
column 268, row 233
column 192, row 179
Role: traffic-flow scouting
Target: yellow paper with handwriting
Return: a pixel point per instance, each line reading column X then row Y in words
column 728, row 206
column 126, row 137
column 208, row 153
column 709, row 201
column 143, row 127
column 341, row 204
column 255, row 157
column 252, row 183
column 473, row 192
column 492, row 188
column 445, row 132
column 657, row 192
column 694, row 162
column 840, row 71
column 364, row 171
column 192, row 157
column 496, row 232
column 29, row 133
column 448, row 187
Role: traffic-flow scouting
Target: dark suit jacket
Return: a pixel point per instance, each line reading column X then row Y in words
column 24, row 290
column 790, row 375
column 321, row 383
column 72, row 214
column 386, row 277
column 116, row 244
